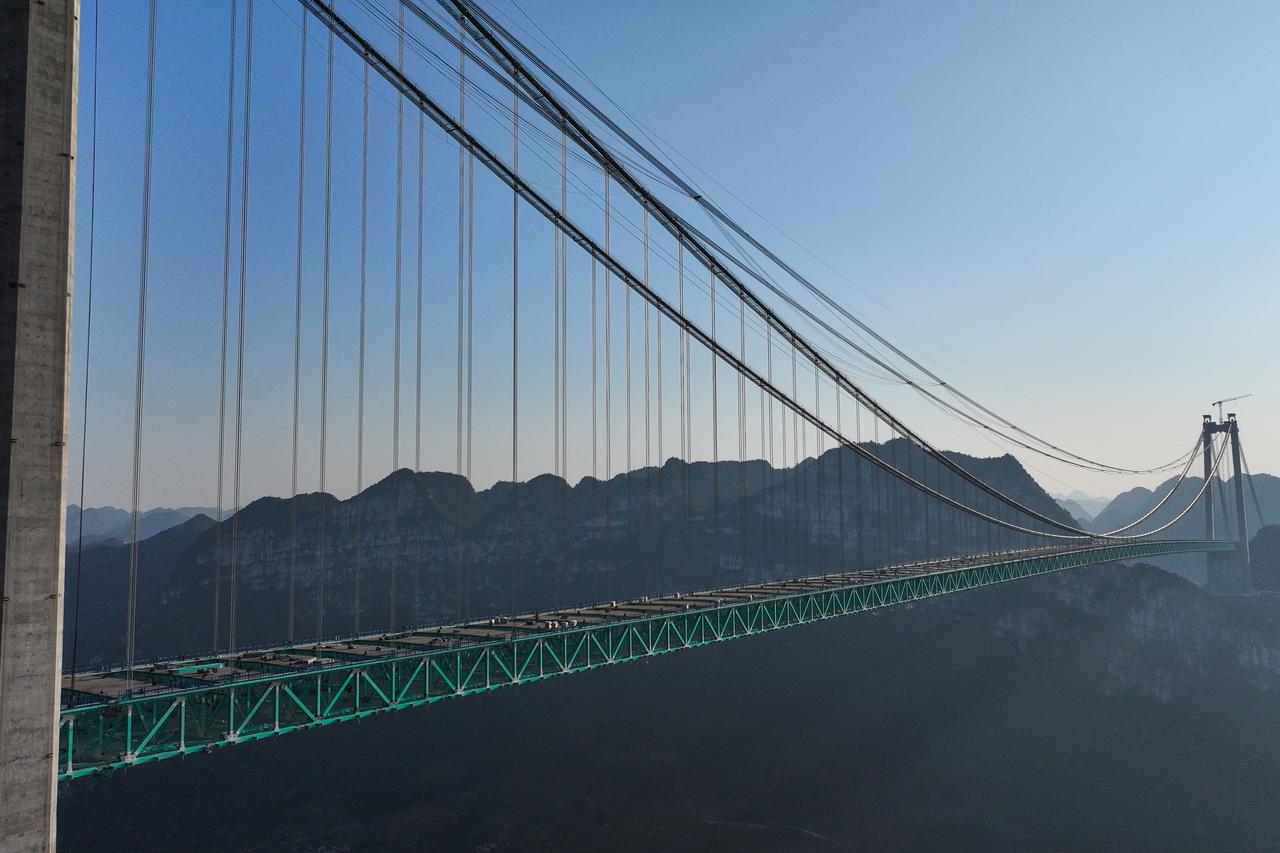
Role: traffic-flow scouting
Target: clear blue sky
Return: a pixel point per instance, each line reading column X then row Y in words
column 1069, row 210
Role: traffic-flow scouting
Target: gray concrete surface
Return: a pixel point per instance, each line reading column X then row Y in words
column 38, row 59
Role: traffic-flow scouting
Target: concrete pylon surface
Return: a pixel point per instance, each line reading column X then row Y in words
column 39, row 41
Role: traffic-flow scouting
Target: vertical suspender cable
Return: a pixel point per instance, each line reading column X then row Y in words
column 471, row 319
column 563, row 365
column 798, row 455
column 595, row 443
column 715, row 432
column 564, row 325
column 840, row 454
column 880, row 493
column 322, row 511
column 928, row 507
column 807, row 517
column 226, row 300
column 88, row 339
column 859, row 538
column 908, row 509
column 960, row 520
column 661, row 458
column 628, row 471
column 143, row 275
column 817, row 464
column 364, row 252
column 784, row 492
column 765, row 479
column 685, row 443
column 395, row 369
column 462, row 263
column 417, row 404
column 244, row 283
column 648, row 456
column 805, row 496
column 515, row 351
column 556, row 240
column 996, row 535
column 421, row 238
column 399, row 276
column 773, row 467
column 297, row 329
column 742, row 441
column 608, row 399
column 894, row 498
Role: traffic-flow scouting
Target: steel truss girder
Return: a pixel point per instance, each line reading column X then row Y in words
column 140, row 729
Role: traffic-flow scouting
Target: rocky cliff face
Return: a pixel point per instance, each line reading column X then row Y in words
column 1118, row 707
column 543, row 543
column 1133, row 504
column 1113, row 708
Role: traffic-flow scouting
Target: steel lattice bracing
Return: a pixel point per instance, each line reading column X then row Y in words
column 182, row 707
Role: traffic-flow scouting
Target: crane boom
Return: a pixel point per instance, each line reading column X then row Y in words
column 1219, row 403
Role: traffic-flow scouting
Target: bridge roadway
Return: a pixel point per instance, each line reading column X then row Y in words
column 110, row 719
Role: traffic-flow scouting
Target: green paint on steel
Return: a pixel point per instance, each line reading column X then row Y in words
column 177, row 719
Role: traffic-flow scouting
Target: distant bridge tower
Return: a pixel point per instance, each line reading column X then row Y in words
column 38, row 46
column 1229, row 574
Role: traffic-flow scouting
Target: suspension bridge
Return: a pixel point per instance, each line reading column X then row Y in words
column 408, row 254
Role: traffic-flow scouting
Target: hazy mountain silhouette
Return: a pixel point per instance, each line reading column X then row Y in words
column 1091, row 504
column 1135, row 503
column 650, row 530
column 102, row 523
column 1079, row 513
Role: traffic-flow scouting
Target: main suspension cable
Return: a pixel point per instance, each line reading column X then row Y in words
column 485, row 20
column 465, row 14
column 613, row 267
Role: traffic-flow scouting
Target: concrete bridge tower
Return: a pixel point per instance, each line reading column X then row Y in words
column 1229, row 574
column 39, row 40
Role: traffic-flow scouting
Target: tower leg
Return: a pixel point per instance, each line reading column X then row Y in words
column 39, row 40
column 1207, row 441
column 1244, row 566
column 1212, row 562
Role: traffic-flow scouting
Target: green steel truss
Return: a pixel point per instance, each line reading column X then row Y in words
column 182, row 708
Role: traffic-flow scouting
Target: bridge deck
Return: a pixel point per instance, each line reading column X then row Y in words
column 114, row 719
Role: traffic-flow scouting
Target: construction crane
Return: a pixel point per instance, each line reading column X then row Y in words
column 1219, row 403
